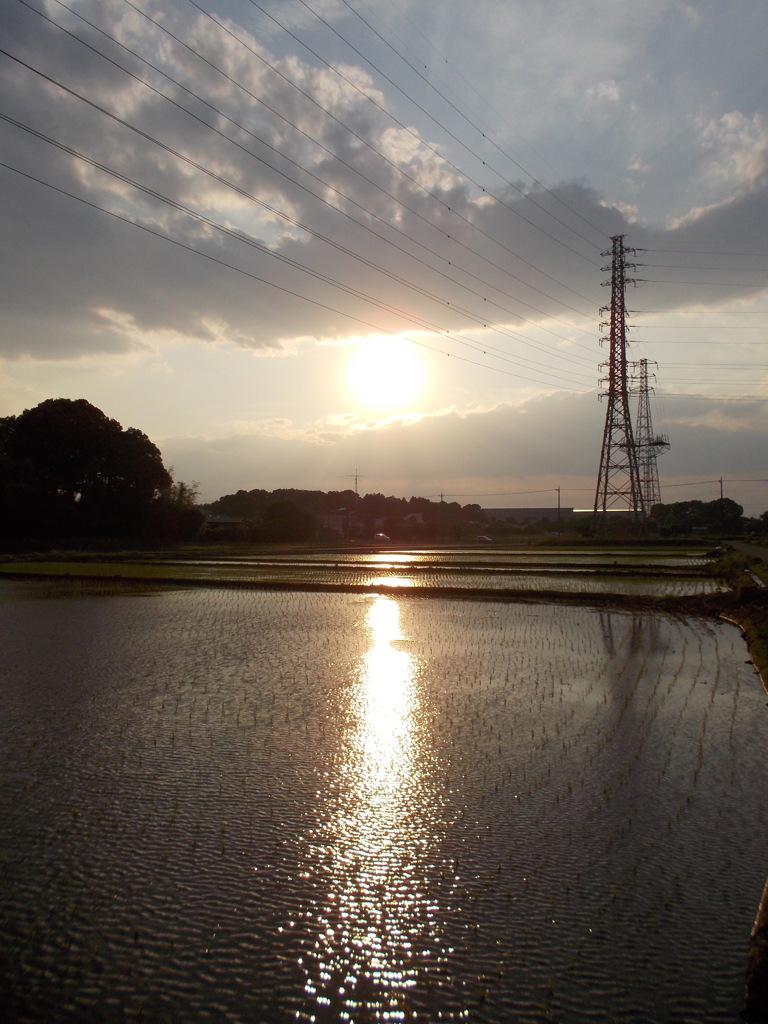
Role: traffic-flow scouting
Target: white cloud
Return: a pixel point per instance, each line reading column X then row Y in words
column 737, row 148
column 607, row 91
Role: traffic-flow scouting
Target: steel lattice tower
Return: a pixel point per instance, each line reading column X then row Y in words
column 618, row 483
column 647, row 444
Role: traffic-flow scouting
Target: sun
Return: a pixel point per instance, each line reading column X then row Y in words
column 386, row 373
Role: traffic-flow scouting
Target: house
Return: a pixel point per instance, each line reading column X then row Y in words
column 343, row 521
column 216, row 522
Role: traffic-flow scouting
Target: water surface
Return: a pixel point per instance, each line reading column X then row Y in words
column 243, row 806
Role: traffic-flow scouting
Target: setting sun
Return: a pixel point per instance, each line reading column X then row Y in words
column 386, row 373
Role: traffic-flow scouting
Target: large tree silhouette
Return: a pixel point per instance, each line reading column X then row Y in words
column 71, row 471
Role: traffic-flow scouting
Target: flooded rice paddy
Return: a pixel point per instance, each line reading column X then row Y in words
column 665, row 577
column 235, row 805
column 519, row 571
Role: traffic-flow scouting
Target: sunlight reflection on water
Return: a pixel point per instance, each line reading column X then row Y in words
column 227, row 805
column 391, row 581
column 387, row 560
column 376, row 925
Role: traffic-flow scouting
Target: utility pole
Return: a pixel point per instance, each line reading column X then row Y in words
column 618, row 482
column 647, row 444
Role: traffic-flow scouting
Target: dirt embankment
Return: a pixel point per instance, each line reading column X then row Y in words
column 745, row 568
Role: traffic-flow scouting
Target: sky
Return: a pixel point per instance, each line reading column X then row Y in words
column 303, row 243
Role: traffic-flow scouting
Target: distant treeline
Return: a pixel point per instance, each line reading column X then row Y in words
column 292, row 514
column 69, row 473
column 252, row 503
column 723, row 515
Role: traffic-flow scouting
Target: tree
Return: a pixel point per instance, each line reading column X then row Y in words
column 71, row 471
column 681, row 517
column 176, row 515
column 285, row 522
column 243, row 504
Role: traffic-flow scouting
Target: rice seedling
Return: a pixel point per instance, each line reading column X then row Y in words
column 550, row 760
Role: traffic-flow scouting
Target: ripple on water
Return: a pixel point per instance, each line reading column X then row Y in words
column 224, row 805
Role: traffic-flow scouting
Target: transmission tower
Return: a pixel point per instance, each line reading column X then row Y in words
column 618, row 483
column 647, row 444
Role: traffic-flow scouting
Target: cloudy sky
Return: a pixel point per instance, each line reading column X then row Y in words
column 298, row 240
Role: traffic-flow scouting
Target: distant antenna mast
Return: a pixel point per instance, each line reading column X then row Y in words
column 618, row 483
column 648, row 444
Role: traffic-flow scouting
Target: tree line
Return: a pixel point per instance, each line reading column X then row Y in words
column 293, row 514
column 723, row 516
column 69, row 472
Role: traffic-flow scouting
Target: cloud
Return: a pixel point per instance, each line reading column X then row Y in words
column 607, row 91
column 491, row 456
column 739, row 146
column 451, row 452
column 383, row 235
column 289, row 230
column 505, row 456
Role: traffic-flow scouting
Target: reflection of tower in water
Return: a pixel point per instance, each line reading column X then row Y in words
column 374, row 924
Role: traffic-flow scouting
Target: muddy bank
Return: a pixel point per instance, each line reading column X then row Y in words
column 755, row 1008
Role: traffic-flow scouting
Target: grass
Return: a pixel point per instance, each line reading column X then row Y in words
column 750, row 611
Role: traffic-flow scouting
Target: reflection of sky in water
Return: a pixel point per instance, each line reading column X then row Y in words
column 374, row 924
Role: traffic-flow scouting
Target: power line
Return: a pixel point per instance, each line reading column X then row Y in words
column 677, row 266
column 478, row 321
column 325, row 184
column 456, row 74
column 703, row 327
column 261, row 280
column 705, row 284
column 451, row 134
column 704, row 252
column 263, row 249
column 701, row 312
column 454, row 306
column 716, row 398
column 360, row 138
column 498, row 494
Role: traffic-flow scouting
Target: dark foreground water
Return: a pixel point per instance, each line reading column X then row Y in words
column 240, row 806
